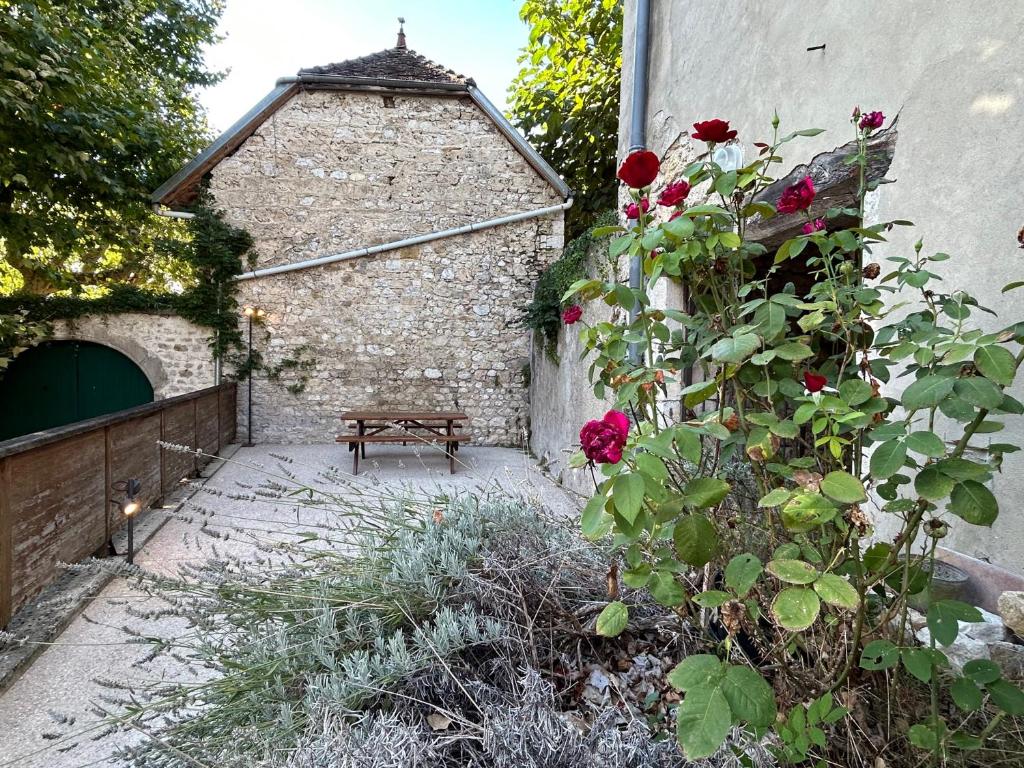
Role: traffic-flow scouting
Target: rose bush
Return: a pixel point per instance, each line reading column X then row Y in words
column 800, row 417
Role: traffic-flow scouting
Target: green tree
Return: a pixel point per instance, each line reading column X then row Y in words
column 566, row 96
column 97, row 108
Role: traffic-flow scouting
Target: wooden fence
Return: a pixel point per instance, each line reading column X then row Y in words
column 55, row 495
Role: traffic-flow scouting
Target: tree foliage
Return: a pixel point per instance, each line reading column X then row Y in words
column 566, row 96
column 97, row 108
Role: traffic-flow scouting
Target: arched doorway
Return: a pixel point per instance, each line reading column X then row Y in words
column 61, row 382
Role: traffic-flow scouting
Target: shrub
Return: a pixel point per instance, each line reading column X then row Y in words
column 792, row 383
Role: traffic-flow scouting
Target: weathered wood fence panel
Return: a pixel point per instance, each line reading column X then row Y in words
column 55, row 494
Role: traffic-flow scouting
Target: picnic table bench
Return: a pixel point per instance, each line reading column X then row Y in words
column 403, row 427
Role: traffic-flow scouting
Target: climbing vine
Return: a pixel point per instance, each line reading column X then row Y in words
column 213, row 252
column 543, row 313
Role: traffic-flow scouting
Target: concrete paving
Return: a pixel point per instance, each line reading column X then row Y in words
column 48, row 716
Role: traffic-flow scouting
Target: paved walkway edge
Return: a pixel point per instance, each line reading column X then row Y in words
column 43, row 619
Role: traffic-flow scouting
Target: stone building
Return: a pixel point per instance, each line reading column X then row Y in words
column 400, row 223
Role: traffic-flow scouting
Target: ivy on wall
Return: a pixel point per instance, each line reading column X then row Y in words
column 214, row 253
column 543, row 313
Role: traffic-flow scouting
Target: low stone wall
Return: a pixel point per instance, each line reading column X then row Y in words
column 562, row 400
column 174, row 353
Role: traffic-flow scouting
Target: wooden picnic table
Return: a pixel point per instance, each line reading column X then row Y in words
column 379, row 426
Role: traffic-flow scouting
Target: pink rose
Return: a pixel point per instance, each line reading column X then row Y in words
column 871, row 120
column 572, row 314
column 674, row 194
column 797, row 197
column 811, row 227
column 604, row 440
column 633, row 209
column 639, row 169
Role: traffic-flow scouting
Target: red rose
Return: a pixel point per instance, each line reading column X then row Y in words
column 811, row 227
column 633, row 210
column 674, row 194
column 871, row 121
column 715, row 131
column 798, row 197
column 572, row 314
column 639, row 169
column 604, row 440
column 814, row 382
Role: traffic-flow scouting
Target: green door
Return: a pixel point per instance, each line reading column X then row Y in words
column 61, row 382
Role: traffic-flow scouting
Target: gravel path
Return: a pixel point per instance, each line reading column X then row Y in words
column 47, row 716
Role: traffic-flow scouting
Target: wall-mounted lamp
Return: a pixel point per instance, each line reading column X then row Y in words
column 251, row 314
column 129, row 507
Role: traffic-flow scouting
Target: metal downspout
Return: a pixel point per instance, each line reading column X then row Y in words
column 638, row 124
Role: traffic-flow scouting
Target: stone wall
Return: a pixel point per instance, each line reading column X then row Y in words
column 174, row 353
column 432, row 326
column 562, row 401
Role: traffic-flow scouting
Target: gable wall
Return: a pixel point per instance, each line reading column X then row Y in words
column 426, row 327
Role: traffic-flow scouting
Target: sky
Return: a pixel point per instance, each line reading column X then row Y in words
column 268, row 39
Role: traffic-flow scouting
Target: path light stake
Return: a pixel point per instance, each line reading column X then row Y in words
column 251, row 313
column 129, row 508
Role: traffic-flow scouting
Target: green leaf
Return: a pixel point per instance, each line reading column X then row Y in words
column 796, row 608
column 855, row 391
column 701, row 670
column 703, row 492
column 1007, row 697
column 697, row 393
column 703, row 722
column 996, row 363
column 726, row 183
column 775, row 497
column 918, row 662
column 742, row 573
column 713, row 598
column 973, row 502
column 966, row 695
column 887, row 459
column 879, row 654
column 837, row 591
column 843, row 487
column 927, row 392
column 982, row 671
column 680, row 227
column 735, row 349
column 932, row 484
column 792, row 571
column 613, row 619
column 806, row 511
column 926, row 443
column 651, row 466
column 696, row 540
column 628, row 495
column 750, row 697
column 943, row 616
column 594, row 522
column 793, row 351
column 979, row 392
column 923, row 737
column 664, row 588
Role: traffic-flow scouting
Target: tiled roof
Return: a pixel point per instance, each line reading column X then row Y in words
column 390, row 64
